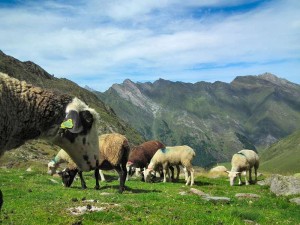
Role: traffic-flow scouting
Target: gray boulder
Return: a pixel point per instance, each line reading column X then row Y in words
column 283, row 185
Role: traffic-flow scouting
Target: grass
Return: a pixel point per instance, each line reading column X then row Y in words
column 32, row 198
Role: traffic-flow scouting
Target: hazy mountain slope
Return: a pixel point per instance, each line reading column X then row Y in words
column 217, row 119
column 283, row 156
column 35, row 75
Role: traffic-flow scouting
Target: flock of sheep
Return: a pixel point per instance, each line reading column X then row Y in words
column 29, row 112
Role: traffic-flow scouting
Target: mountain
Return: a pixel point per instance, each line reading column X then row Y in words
column 217, row 119
column 283, row 156
column 34, row 74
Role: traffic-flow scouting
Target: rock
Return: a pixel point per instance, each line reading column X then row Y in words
column 198, row 192
column 284, row 185
column 218, row 169
column 246, row 195
column 217, row 199
column 29, row 169
column 295, row 200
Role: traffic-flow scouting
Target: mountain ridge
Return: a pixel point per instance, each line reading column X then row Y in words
column 219, row 118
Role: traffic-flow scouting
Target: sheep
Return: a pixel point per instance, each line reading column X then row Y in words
column 29, row 112
column 169, row 156
column 113, row 154
column 140, row 155
column 243, row 161
column 63, row 157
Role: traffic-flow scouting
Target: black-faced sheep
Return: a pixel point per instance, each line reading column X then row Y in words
column 112, row 154
column 63, row 157
column 243, row 161
column 140, row 155
column 28, row 112
column 169, row 156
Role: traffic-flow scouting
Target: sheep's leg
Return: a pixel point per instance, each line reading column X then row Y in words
column 165, row 171
column 192, row 176
column 240, row 178
column 172, row 173
column 83, row 184
column 96, row 172
column 188, row 176
column 247, row 182
column 121, row 170
column 185, row 173
column 101, row 175
column 255, row 171
column 178, row 172
column 250, row 175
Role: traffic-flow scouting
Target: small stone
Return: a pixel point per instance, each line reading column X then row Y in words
column 246, row 195
column 295, row 200
column 217, row 199
column 198, row 192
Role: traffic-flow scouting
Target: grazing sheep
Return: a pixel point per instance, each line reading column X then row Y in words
column 243, row 161
column 63, row 157
column 28, row 112
column 169, row 156
column 140, row 155
column 113, row 154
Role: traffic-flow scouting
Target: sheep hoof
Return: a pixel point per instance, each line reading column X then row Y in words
column 121, row 189
column 96, row 187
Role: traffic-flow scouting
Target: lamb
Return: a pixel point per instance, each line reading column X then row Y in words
column 169, row 156
column 113, row 154
column 29, row 112
column 63, row 157
column 243, row 161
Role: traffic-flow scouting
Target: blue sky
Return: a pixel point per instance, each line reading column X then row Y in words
column 99, row 43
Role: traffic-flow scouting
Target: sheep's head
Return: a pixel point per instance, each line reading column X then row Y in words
column 67, row 176
column 78, row 135
column 232, row 176
column 52, row 167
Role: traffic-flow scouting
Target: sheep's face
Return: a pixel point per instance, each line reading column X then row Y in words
column 67, row 176
column 147, row 174
column 51, row 168
column 78, row 135
column 232, row 177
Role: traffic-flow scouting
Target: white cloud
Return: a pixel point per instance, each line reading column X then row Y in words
column 108, row 41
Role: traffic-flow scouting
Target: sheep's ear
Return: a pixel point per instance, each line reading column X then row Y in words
column 227, row 171
column 72, row 122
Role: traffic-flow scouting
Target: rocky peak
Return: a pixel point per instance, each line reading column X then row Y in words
column 36, row 69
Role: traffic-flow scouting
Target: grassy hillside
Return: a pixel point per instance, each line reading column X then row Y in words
column 283, row 156
column 33, row 198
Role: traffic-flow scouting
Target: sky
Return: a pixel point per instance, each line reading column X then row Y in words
column 101, row 42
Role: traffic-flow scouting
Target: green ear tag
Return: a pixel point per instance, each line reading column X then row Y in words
column 68, row 124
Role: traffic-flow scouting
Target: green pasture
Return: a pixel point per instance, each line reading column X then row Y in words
column 33, row 198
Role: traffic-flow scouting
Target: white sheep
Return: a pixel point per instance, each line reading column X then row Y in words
column 112, row 154
column 63, row 157
column 171, row 156
column 243, row 161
